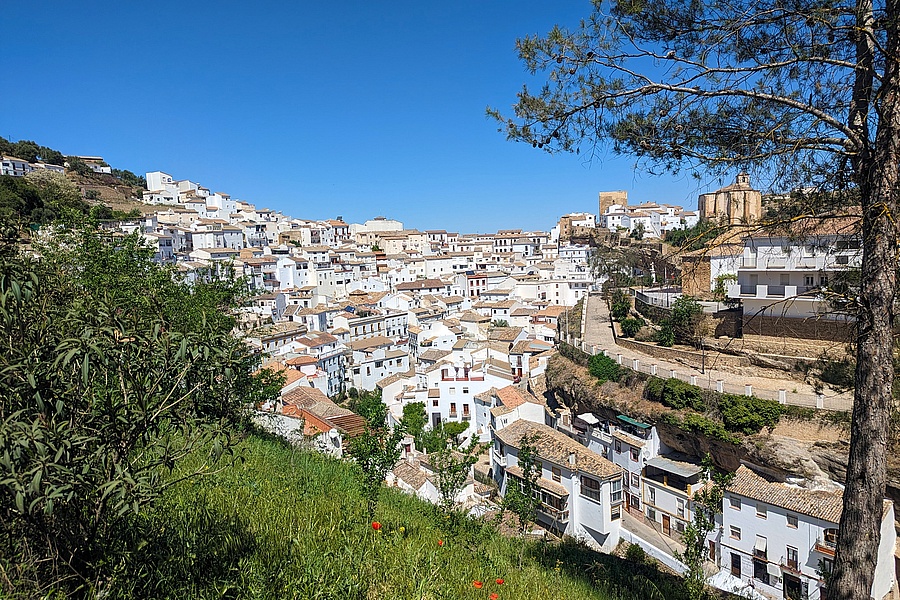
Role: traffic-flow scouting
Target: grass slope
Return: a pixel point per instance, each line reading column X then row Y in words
column 289, row 524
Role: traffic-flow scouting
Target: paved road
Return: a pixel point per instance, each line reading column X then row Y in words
column 598, row 336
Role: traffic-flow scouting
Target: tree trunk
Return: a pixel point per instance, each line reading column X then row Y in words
column 860, row 526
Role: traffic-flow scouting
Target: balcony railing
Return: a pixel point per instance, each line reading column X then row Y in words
column 559, row 515
column 498, row 458
column 792, row 566
column 824, row 546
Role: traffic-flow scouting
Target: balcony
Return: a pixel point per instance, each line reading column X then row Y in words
column 791, row 566
column 748, row 262
column 556, row 514
column 825, row 547
column 498, row 458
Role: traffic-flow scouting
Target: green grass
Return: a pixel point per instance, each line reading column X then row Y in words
column 289, row 524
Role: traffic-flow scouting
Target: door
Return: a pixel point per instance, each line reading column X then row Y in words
column 667, row 529
column 736, row 565
column 793, row 589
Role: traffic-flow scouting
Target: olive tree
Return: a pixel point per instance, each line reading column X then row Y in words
column 803, row 93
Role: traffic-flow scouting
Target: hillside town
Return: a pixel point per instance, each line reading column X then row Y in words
column 464, row 325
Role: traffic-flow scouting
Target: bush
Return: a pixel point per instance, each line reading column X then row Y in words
column 666, row 335
column 748, row 415
column 675, row 393
column 635, row 553
column 695, row 423
column 604, row 368
column 619, row 305
column 630, row 327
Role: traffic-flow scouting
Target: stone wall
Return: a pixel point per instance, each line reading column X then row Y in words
column 810, row 329
column 686, row 357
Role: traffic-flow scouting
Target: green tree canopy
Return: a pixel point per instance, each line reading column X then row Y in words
column 114, row 370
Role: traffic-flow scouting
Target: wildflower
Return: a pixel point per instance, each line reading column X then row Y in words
column 441, row 543
column 402, row 529
column 376, row 525
column 478, row 584
column 499, row 581
column 494, row 596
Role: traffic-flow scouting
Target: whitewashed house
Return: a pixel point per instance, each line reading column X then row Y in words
column 580, row 491
column 781, row 538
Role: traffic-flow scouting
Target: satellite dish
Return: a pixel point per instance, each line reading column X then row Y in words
column 333, row 433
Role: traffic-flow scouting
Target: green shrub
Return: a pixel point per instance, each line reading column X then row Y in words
column 631, row 326
column 604, row 368
column 695, row 423
column 619, row 309
column 666, row 335
column 748, row 414
column 678, row 394
column 654, row 389
column 675, row 393
column 635, row 553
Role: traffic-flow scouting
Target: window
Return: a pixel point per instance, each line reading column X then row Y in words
column 651, row 495
column 557, row 474
column 435, row 402
column 734, row 502
column 618, row 446
column 830, row 537
column 452, row 391
column 615, row 491
column 793, row 561
column 465, row 390
column 615, row 513
column 735, row 533
column 808, row 280
column 634, row 454
column 680, row 507
column 453, row 408
column 465, row 410
column 590, row 488
column 760, row 510
column 635, row 480
column 760, row 548
column 792, row 521
column 651, row 514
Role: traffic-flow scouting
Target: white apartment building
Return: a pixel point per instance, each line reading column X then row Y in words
column 373, row 359
column 786, row 284
column 14, row 167
column 580, row 491
column 781, row 538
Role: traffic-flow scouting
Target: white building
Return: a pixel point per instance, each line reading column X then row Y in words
column 785, row 285
column 15, row 167
column 580, row 491
column 781, row 538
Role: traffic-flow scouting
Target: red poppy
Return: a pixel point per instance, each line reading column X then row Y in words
column 494, row 596
column 478, row 584
column 376, row 525
column 441, row 543
column 499, row 581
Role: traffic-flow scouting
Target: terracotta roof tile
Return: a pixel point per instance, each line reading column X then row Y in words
column 556, row 447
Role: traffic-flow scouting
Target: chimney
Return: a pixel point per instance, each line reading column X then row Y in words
column 572, row 458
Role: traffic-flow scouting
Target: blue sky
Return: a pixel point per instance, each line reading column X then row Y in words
column 319, row 109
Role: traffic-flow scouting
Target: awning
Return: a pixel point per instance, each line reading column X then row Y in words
column 760, row 544
column 634, row 422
